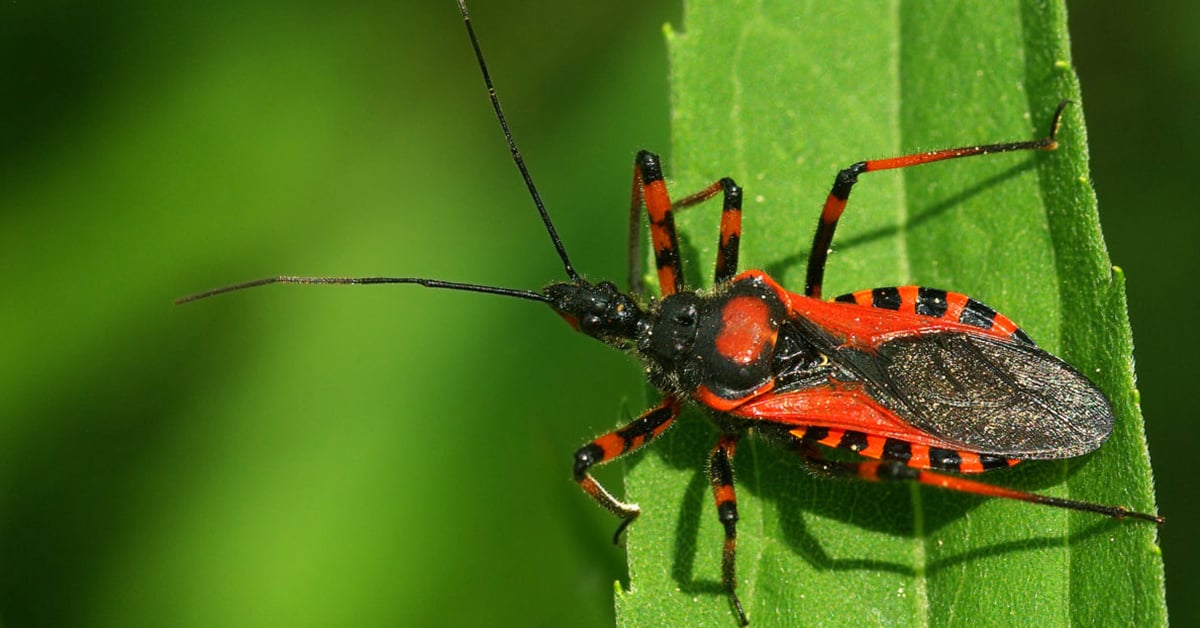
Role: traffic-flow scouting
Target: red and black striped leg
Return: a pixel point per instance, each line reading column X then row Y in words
column 892, row 470
column 731, row 224
column 616, row 444
column 836, row 201
column 720, row 472
column 650, row 189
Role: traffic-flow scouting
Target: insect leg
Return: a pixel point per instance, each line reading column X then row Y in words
column 650, row 189
column 892, row 470
column 731, row 223
column 836, row 201
column 615, row 444
column 720, row 473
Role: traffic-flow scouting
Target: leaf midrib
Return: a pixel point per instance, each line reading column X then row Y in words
column 920, row 557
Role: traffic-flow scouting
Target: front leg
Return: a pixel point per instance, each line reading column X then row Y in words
column 650, row 190
column 615, row 444
column 731, row 224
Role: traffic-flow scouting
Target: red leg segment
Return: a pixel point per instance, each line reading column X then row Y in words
column 650, row 189
column 835, row 203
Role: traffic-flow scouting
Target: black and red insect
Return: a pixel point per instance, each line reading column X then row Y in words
column 915, row 380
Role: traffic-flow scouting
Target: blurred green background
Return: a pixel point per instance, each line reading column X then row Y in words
column 378, row 456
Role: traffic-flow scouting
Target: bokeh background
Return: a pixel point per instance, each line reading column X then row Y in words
column 392, row 455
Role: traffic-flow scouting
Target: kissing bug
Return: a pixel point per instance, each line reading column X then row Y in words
column 915, row 380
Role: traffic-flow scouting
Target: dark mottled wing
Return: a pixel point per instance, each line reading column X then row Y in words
column 988, row 395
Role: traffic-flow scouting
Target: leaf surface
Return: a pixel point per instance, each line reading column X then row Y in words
column 780, row 96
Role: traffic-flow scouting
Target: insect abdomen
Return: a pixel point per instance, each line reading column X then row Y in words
column 913, row 455
column 939, row 304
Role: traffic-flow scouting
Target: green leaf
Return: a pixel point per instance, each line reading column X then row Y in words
column 781, row 95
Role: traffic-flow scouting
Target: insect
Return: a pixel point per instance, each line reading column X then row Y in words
column 916, row 381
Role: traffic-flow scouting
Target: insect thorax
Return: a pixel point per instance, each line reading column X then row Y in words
column 725, row 345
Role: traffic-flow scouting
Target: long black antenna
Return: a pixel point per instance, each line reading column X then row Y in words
column 512, row 146
column 428, row 283
column 437, row 283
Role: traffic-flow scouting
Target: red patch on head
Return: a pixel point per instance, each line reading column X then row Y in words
column 571, row 320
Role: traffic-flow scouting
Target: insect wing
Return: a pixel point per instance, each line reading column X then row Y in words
column 986, row 390
column 836, row 406
column 992, row 395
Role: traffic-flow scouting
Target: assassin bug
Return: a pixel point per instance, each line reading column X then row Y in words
column 914, row 380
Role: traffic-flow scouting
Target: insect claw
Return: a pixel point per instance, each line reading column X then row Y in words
column 625, row 524
column 737, row 607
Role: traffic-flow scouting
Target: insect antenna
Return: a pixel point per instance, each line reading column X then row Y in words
column 512, row 146
column 437, row 283
column 428, row 283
